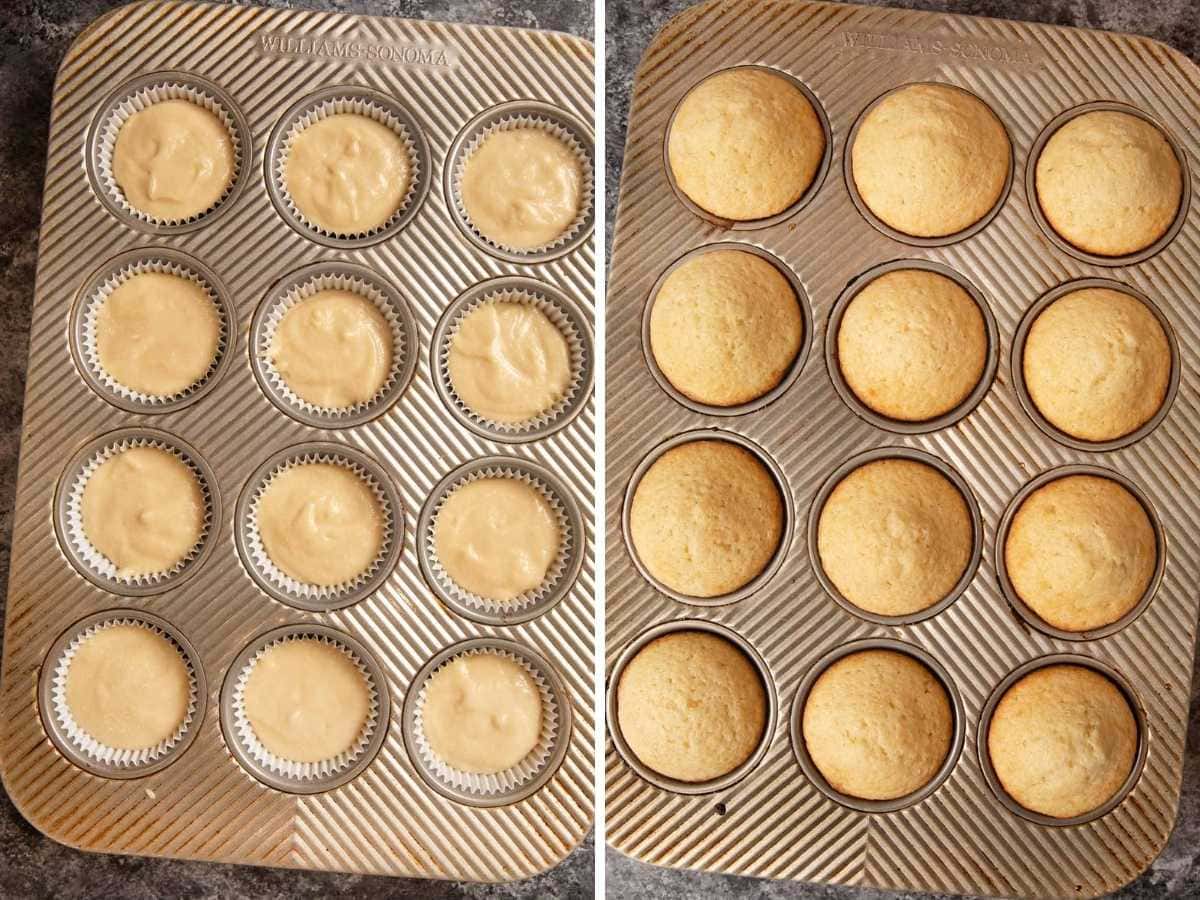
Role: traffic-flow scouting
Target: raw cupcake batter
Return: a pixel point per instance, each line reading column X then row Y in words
column 482, row 713
column 306, row 700
column 143, row 510
column 496, row 537
column 157, row 333
column 521, row 188
column 320, row 523
column 334, row 349
column 508, row 362
column 173, row 160
column 127, row 687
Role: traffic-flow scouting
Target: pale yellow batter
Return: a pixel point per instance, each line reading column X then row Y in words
column 127, row 687
column 157, row 333
column 482, row 713
column 348, row 173
column 508, row 362
column 173, row 160
column 496, row 537
column 334, row 349
column 306, row 701
column 320, row 523
column 522, row 188
column 143, row 510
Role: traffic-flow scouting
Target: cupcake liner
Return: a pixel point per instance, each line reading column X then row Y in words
column 518, row 121
column 91, row 558
column 290, row 769
column 506, row 781
column 578, row 350
column 136, row 100
column 90, row 355
column 346, row 103
column 90, row 747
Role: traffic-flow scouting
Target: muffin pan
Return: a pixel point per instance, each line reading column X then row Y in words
column 961, row 835
column 210, row 796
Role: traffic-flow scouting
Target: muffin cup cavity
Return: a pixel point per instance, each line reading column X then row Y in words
column 944, row 469
column 563, row 312
column 139, row 94
column 813, row 774
column 305, row 283
column 911, row 239
column 1017, row 366
column 985, row 722
column 289, row 775
column 358, row 101
column 789, row 377
column 514, row 116
column 83, row 749
column 785, row 496
column 510, row 785
column 1061, row 243
column 898, row 426
column 563, row 571
column 68, row 512
column 285, row 588
column 1005, row 524
column 802, row 201
column 100, row 286
column 674, row 785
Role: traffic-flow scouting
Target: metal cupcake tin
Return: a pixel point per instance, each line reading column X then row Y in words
column 960, row 835
column 382, row 817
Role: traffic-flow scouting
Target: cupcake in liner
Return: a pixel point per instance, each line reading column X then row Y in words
column 576, row 349
column 85, row 550
column 285, row 583
column 87, row 745
column 290, row 769
column 308, row 288
column 518, row 122
column 136, row 101
column 508, row 780
column 344, row 105
column 91, row 310
column 554, row 575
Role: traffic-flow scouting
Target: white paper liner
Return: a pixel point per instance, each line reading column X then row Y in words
column 86, row 551
column 303, row 771
column 286, row 583
column 505, row 781
column 575, row 348
column 170, row 89
column 346, row 104
column 88, row 745
column 517, row 122
column 304, row 290
column 554, row 575
column 91, row 356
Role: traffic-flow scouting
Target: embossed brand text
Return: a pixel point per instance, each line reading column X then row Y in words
column 937, row 45
column 356, row 49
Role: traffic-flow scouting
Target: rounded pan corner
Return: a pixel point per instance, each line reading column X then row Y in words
column 675, row 26
column 89, row 29
column 42, row 827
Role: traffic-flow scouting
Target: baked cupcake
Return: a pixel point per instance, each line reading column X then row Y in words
column 1081, row 552
column 912, row 345
column 1097, row 364
column 745, row 144
column 930, row 160
column 1062, row 741
column 877, row 724
column 725, row 327
column 895, row 537
column 691, row 706
column 1109, row 183
column 706, row 518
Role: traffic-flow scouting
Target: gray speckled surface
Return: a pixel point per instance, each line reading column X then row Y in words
column 34, row 35
column 630, row 26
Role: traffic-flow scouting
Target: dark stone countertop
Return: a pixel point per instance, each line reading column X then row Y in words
column 630, row 26
column 34, row 35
